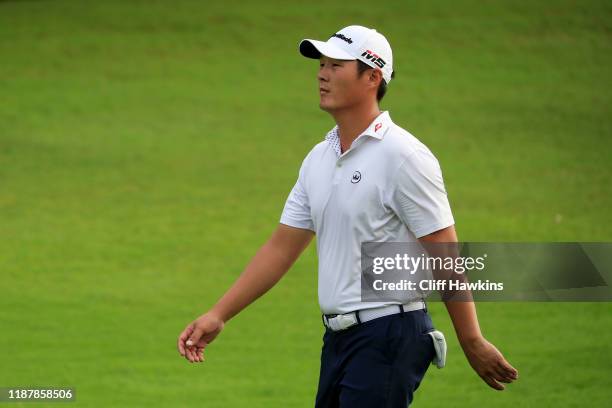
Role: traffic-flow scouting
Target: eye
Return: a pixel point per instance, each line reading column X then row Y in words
column 337, row 65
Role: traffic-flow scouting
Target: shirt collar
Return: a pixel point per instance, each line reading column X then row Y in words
column 379, row 126
column 376, row 129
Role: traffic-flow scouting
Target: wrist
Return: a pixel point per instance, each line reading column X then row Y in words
column 218, row 314
column 471, row 342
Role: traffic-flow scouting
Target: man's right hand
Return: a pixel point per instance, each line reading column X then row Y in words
column 199, row 334
column 268, row 265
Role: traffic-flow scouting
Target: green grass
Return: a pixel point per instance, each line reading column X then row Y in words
column 146, row 150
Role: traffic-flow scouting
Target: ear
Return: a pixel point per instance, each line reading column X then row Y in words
column 375, row 77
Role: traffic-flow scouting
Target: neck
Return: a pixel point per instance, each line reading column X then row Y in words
column 352, row 122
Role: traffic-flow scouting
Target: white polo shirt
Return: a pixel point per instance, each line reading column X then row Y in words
column 387, row 187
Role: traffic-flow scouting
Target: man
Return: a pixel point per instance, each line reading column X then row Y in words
column 369, row 180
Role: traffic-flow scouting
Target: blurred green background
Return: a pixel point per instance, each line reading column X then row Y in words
column 147, row 149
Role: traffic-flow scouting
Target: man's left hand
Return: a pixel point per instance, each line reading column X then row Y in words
column 489, row 363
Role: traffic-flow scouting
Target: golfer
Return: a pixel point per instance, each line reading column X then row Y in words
column 369, row 180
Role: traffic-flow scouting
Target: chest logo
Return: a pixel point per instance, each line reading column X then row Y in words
column 378, row 126
column 356, row 177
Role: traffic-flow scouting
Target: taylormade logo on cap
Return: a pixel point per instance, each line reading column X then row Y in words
column 342, row 37
column 354, row 43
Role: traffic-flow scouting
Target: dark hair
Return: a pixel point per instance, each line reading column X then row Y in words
column 382, row 88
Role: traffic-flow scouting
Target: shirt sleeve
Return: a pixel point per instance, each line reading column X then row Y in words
column 296, row 212
column 418, row 196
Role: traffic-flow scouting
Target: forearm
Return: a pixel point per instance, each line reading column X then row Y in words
column 262, row 273
column 264, row 270
column 465, row 321
column 462, row 310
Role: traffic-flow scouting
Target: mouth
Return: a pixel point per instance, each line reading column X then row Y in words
column 323, row 91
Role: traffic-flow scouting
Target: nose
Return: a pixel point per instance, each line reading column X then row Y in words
column 323, row 74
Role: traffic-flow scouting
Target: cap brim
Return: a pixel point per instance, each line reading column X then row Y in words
column 314, row 49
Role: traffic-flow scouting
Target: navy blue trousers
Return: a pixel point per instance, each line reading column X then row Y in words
column 378, row 364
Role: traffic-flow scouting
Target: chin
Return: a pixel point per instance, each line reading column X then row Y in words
column 325, row 106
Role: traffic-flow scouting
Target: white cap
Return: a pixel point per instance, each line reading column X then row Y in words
column 354, row 43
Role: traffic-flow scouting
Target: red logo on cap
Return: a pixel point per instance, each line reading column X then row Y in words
column 378, row 125
column 375, row 58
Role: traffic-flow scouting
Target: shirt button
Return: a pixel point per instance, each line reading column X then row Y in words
column 338, row 164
